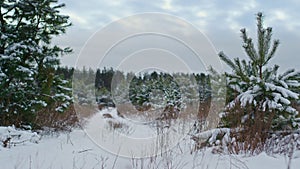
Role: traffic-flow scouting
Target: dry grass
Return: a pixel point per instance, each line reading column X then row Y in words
column 115, row 124
column 85, row 111
column 192, row 110
column 250, row 133
column 49, row 118
column 296, row 106
column 106, row 115
column 128, row 110
column 66, row 120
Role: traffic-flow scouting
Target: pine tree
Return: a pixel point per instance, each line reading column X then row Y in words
column 263, row 94
column 28, row 60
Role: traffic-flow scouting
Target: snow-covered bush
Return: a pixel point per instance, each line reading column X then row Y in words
column 283, row 143
column 262, row 96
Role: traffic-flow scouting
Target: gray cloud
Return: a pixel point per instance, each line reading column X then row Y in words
column 219, row 20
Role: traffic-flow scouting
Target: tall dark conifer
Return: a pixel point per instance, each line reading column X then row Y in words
column 28, row 60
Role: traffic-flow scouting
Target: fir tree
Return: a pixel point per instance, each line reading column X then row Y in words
column 263, row 93
column 28, row 60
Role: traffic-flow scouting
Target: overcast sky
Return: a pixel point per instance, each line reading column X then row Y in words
column 219, row 20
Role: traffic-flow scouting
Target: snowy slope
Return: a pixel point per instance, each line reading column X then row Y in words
column 75, row 150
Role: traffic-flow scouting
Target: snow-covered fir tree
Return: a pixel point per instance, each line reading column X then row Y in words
column 28, row 60
column 260, row 89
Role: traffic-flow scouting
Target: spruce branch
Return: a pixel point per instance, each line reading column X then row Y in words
column 226, row 60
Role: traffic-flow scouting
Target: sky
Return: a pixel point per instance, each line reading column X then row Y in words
column 219, row 20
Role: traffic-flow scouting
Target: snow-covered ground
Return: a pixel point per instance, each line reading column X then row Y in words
column 76, row 150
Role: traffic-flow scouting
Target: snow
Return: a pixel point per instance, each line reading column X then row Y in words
column 211, row 135
column 284, row 92
column 246, row 97
column 63, row 95
column 64, row 88
column 289, row 73
column 76, row 150
column 41, row 102
column 293, row 83
column 2, row 74
column 11, row 137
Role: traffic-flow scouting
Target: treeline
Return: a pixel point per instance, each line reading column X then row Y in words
column 140, row 89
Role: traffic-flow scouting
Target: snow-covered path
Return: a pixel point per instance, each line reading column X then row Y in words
column 76, row 151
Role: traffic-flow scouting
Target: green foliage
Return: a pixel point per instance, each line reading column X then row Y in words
column 260, row 89
column 28, row 60
column 159, row 89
